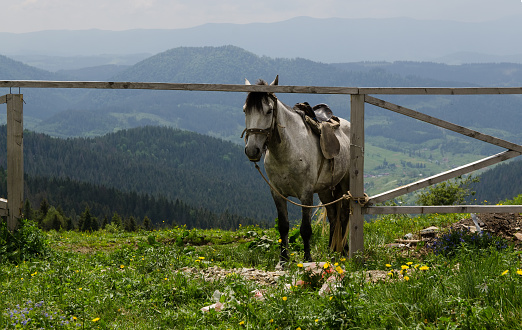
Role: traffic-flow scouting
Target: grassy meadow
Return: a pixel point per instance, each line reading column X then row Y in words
column 111, row 279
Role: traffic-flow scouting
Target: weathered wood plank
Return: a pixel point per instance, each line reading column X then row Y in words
column 440, row 90
column 178, row 86
column 443, row 209
column 442, row 123
column 15, row 160
column 356, row 224
column 3, row 99
column 500, row 157
column 258, row 88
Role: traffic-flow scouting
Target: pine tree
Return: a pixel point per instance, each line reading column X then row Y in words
column 146, row 223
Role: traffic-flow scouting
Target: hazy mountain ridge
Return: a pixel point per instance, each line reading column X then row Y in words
column 326, row 40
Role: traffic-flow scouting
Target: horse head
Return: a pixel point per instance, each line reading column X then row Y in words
column 260, row 120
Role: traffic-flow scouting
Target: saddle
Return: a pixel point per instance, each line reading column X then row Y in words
column 322, row 121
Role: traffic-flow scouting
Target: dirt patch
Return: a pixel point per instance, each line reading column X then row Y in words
column 506, row 225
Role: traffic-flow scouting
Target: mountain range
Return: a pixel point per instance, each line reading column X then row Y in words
column 328, row 40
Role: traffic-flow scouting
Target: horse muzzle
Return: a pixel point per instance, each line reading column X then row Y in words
column 253, row 153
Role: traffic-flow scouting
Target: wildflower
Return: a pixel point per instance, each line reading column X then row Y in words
column 300, row 265
column 519, row 271
column 80, row 289
column 326, row 265
column 242, row 323
column 285, row 298
column 316, row 320
column 202, row 258
column 343, row 259
column 388, row 265
column 416, row 266
column 406, row 278
column 96, row 319
column 197, row 260
column 409, row 263
column 424, row 267
column 404, row 267
column 271, row 321
column 339, row 269
column 121, row 266
column 331, row 297
column 279, row 240
column 390, row 274
column 504, row 272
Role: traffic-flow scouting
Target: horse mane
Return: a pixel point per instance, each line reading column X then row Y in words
column 255, row 100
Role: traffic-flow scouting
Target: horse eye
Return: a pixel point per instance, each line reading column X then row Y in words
column 269, row 111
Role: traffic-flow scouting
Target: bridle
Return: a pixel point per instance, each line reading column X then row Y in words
column 269, row 132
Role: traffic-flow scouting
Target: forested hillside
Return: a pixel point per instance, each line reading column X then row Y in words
column 499, row 183
column 73, row 198
column 195, row 169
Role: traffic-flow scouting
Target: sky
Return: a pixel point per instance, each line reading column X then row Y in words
column 21, row 16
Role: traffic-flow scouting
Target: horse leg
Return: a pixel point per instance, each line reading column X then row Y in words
column 331, row 212
column 338, row 214
column 282, row 225
column 306, row 225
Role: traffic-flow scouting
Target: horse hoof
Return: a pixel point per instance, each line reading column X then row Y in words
column 308, row 258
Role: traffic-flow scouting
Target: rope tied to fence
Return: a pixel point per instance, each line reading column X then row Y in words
column 363, row 201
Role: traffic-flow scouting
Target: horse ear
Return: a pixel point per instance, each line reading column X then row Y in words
column 276, row 81
column 247, row 82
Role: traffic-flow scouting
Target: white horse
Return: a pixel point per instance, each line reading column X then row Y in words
column 296, row 167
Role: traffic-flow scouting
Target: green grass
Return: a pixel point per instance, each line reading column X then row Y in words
column 115, row 280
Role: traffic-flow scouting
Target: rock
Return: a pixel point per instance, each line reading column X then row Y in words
column 518, row 236
column 430, row 231
column 408, row 236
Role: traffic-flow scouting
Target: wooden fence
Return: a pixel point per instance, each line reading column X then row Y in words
column 358, row 98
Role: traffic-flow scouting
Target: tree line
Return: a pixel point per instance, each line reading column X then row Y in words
column 67, row 204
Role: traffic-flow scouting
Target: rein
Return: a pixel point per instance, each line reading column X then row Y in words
column 346, row 196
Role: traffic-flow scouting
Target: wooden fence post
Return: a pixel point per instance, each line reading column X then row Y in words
column 356, row 243
column 15, row 159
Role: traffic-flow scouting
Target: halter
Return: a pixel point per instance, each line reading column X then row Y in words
column 269, row 132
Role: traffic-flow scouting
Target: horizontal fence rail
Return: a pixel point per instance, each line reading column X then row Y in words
column 261, row 88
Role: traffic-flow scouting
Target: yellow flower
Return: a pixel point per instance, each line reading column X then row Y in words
column 424, row 267
column 285, row 298
column 121, row 266
column 505, row 272
column 388, row 265
column 299, row 328
column 416, row 266
column 202, row 258
column 166, row 279
column 75, row 318
column 316, row 320
column 331, row 298
column 326, row 265
column 404, row 267
column 336, row 264
column 519, row 271
column 279, row 240
column 390, row 274
column 242, row 323
column 406, row 278
column 80, row 289
column 409, row 263
column 339, row 269
column 300, row 265
column 197, row 260
column 271, row 321
column 343, row 259
column 96, row 319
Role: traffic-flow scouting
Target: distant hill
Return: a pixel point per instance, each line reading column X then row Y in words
column 502, row 182
column 195, row 169
column 327, row 40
